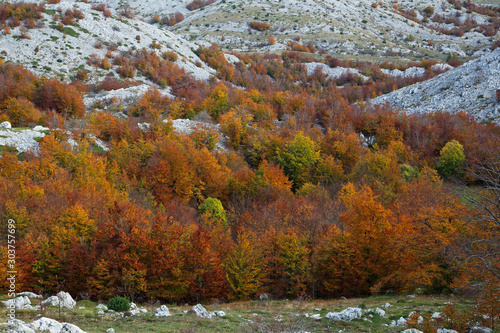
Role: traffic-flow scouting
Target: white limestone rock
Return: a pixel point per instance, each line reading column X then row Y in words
column 110, row 330
column 386, row 305
column 436, row 315
column 5, row 124
column 445, row 330
column 219, row 313
column 46, row 324
column 62, row 299
column 347, row 314
column 201, row 312
column 21, row 302
column 162, row 311
column 70, row 328
column 29, row 293
column 400, row 322
column 102, row 307
column 15, row 326
column 411, row 330
column 380, row 312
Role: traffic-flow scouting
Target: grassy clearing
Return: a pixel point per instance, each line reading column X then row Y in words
column 251, row 316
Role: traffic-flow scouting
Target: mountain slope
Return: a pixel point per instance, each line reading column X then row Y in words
column 362, row 28
column 51, row 52
column 471, row 87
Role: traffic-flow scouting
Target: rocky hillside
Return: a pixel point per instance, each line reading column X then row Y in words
column 471, row 87
column 51, row 49
column 408, row 29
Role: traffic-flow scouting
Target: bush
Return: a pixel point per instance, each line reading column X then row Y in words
column 259, row 26
column 119, row 304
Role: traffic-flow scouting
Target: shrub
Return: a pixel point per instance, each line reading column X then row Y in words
column 119, row 304
column 196, row 4
column 428, row 11
column 81, row 75
column 259, row 26
column 169, row 55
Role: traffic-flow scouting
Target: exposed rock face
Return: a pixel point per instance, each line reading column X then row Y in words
column 347, row 314
column 201, row 311
column 70, row 328
column 46, row 324
column 21, row 302
column 445, row 330
column 162, row 311
column 17, row 326
column 471, row 88
column 62, row 299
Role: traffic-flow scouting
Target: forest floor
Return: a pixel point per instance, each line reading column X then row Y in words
column 251, row 316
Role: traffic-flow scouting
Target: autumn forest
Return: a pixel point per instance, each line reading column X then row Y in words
column 291, row 184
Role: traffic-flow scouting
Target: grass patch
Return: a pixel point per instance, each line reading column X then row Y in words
column 70, row 31
column 250, row 316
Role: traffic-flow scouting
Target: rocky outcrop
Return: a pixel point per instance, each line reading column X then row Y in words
column 46, row 324
column 62, row 299
column 347, row 314
column 162, row 311
column 201, row 312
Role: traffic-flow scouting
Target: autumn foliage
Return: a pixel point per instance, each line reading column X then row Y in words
column 295, row 191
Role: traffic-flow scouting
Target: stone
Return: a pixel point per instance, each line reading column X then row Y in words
column 17, row 326
column 120, row 115
column 201, row 312
column 411, row 330
column 5, row 124
column 380, row 312
column 62, row 298
column 70, row 328
column 347, row 314
column 479, row 329
column 39, row 128
column 21, row 302
column 316, row 316
column 46, row 324
column 162, row 311
column 386, row 305
column 445, row 330
column 436, row 315
column 102, row 307
column 110, row 330
column 400, row 322
column 219, row 313
column 29, row 293
column 264, row 297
